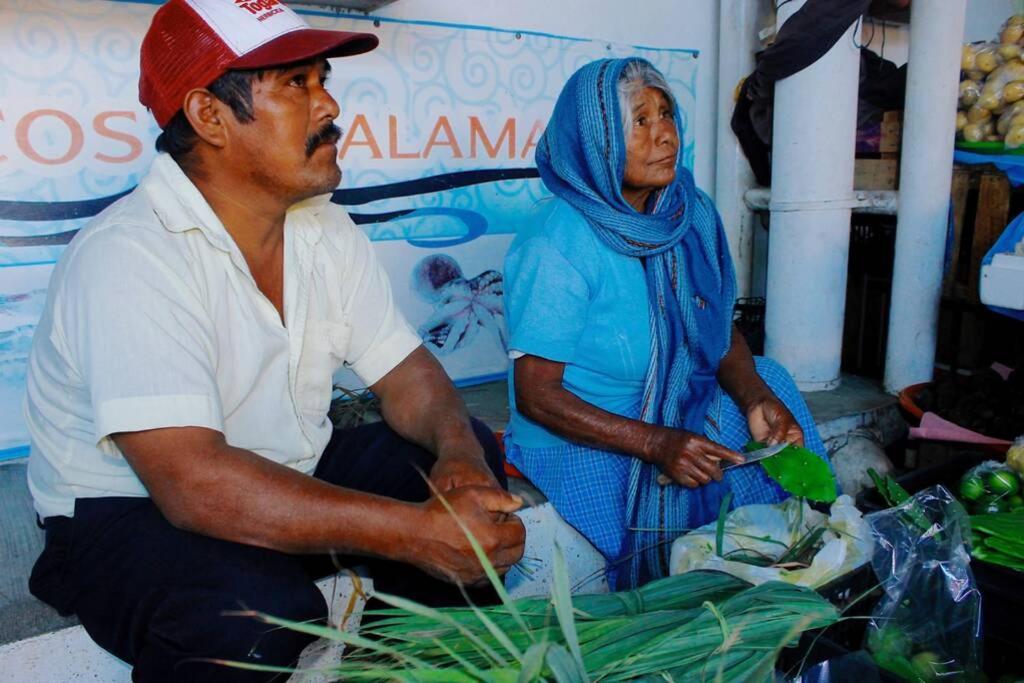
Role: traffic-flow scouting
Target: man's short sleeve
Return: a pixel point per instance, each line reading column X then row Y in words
column 138, row 335
column 546, row 301
column 381, row 336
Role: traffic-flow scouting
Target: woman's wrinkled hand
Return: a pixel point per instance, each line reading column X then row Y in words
column 690, row 459
column 771, row 422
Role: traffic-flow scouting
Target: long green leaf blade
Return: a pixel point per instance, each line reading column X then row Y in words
column 563, row 606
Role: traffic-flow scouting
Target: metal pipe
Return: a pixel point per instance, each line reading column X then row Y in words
column 936, row 32
column 877, row 202
column 814, row 135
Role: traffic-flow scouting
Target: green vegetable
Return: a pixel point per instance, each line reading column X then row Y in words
column 890, row 490
column 986, row 554
column 999, row 539
column 928, row 665
column 972, row 488
column 989, row 504
column 895, row 495
column 1008, row 525
column 1014, row 503
column 723, row 514
column 901, row 666
column 801, row 472
column 804, row 550
column 889, row 639
column 1002, row 545
column 1003, row 482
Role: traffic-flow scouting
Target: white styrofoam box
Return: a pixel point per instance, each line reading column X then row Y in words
column 1002, row 282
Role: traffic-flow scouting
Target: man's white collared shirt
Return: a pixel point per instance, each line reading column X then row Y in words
column 154, row 320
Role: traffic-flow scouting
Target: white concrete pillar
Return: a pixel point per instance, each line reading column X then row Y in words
column 814, row 136
column 738, row 23
column 936, row 33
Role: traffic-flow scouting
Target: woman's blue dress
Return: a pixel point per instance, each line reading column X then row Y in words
column 570, row 298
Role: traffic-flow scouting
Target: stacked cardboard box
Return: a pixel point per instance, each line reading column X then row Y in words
column 880, row 170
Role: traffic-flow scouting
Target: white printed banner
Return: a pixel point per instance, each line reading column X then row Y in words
column 440, row 125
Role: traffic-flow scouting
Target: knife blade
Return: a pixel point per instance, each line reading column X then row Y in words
column 751, row 457
column 759, row 454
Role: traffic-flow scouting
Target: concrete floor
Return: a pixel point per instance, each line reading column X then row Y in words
column 855, row 403
column 21, row 615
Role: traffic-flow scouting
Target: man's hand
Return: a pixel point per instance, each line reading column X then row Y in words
column 454, row 471
column 444, row 550
column 771, row 422
column 690, row 459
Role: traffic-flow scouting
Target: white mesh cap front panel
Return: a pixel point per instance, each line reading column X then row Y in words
column 244, row 25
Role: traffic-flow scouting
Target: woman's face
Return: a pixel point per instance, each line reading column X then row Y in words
column 651, row 147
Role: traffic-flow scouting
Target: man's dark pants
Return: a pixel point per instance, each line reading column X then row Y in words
column 155, row 596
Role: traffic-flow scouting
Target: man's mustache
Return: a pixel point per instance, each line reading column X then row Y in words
column 329, row 134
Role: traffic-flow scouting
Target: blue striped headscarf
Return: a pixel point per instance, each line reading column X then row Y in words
column 581, row 158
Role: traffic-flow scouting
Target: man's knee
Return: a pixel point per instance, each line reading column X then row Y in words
column 492, row 450
column 190, row 628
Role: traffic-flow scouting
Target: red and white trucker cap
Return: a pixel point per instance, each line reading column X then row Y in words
column 192, row 43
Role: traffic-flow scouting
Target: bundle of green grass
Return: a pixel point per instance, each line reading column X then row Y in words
column 700, row 626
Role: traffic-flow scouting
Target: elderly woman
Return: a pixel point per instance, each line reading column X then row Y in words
column 619, row 297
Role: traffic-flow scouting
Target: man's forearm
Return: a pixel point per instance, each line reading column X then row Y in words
column 230, row 493
column 296, row 513
column 419, row 402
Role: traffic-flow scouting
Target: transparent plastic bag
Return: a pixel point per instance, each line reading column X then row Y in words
column 976, row 132
column 978, row 115
column 1012, row 31
column 989, row 488
column 927, row 625
column 970, row 91
column 980, row 57
column 1015, row 455
column 1009, row 118
column 1000, row 83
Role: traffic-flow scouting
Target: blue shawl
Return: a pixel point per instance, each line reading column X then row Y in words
column 581, row 158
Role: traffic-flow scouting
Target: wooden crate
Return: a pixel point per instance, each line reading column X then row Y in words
column 875, row 174
column 981, row 210
column 880, row 170
column 890, row 133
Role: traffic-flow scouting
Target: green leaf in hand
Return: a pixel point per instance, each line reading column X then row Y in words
column 801, row 472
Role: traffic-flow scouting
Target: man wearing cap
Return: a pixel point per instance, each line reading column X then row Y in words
column 183, row 463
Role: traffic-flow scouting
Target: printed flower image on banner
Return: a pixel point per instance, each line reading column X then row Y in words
column 461, row 306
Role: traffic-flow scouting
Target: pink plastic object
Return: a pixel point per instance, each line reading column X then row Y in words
column 935, row 428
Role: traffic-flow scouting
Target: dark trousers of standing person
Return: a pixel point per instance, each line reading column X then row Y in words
column 156, row 596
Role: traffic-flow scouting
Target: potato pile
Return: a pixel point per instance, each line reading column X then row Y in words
column 992, row 89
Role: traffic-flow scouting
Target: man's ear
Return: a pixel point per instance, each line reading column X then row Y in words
column 207, row 115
